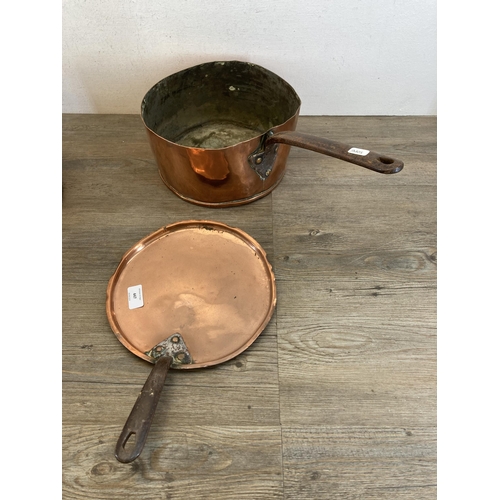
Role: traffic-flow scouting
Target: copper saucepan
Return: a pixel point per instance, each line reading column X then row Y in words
column 190, row 295
column 221, row 133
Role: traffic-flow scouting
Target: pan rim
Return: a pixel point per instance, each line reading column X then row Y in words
column 233, row 61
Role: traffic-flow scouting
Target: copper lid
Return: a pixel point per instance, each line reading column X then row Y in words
column 206, row 281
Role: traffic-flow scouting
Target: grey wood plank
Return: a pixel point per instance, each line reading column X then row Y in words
column 200, row 404
column 195, row 462
column 104, row 136
column 359, row 462
column 351, row 358
column 347, row 239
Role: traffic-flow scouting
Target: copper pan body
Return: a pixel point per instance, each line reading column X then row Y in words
column 231, row 93
column 221, row 133
column 190, row 172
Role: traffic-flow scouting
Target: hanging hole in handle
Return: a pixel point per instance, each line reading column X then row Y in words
column 385, row 160
column 129, row 442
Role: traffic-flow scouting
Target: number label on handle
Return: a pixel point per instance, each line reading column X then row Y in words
column 359, row 151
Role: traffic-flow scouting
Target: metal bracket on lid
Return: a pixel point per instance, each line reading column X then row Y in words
column 175, row 347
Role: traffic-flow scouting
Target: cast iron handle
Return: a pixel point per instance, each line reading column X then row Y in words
column 262, row 159
column 141, row 416
column 371, row 160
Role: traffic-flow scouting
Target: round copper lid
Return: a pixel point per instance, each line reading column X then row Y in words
column 206, row 281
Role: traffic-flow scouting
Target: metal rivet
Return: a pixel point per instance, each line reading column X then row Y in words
column 159, row 348
column 175, row 339
column 258, row 160
column 268, row 171
column 180, row 356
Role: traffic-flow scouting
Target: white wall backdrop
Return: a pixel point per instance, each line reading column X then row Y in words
column 343, row 57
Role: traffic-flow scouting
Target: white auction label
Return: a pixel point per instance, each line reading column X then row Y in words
column 135, row 298
column 358, row 151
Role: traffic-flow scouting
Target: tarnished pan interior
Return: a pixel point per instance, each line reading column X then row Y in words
column 216, row 134
column 217, row 105
column 208, row 282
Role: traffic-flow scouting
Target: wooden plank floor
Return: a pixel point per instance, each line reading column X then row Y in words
column 336, row 399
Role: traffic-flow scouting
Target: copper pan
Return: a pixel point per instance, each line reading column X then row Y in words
column 190, row 295
column 221, row 133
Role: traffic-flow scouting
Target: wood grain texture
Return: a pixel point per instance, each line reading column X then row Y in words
column 359, row 462
column 336, row 398
column 178, row 462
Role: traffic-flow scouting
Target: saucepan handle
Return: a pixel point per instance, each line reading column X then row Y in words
column 262, row 159
column 141, row 416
